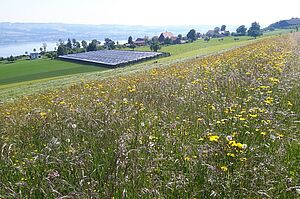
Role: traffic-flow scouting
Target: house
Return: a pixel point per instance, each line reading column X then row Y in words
column 165, row 35
column 34, row 56
column 140, row 42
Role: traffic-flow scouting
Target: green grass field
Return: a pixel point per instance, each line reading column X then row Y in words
column 220, row 126
column 179, row 53
column 26, row 77
column 28, row 70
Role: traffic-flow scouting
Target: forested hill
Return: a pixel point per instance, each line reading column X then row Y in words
column 285, row 23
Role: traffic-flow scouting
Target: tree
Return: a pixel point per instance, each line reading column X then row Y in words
column 223, row 28
column 109, row 44
column 77, row 45
column 130, row 40
column 41, row 49
column 192, row 35
column 11, row 59
column 254, row 30
column 155, row 46
column 69, row 44
column 206, row 38
column 297, row 28
column 154, row 39
column 26, row 53
column 61, row 50
column 74, row 42
column 168, row 40
column 132, row 46
column 92, row 47
column 34, row 50
column 84, row 44
column 147, row 41
column 217, row 30
column 241, row 31
column 180, row 36
column 45, row 47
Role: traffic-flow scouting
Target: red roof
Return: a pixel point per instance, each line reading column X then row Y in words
column 167, row 34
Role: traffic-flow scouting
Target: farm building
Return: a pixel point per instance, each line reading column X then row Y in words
column 34, row 56
column 165, row 35
column 140, row 42
column 112, row 58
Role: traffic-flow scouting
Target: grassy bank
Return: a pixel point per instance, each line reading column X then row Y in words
column 179, row 53
column 224, row 126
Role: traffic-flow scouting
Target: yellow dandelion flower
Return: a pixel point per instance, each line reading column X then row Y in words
column 243, row 159
column 214, row 138
column 253, row 115
column 187, row 158
column 263, row 133
column 231, row 154
column 224, row 168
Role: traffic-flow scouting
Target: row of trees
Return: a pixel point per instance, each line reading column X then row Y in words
column 253, row 31
column 73, row 46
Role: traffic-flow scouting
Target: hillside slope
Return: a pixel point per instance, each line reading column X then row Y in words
column 224, row 126
column 285, row 23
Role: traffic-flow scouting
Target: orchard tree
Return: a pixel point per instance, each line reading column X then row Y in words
column 61, row 50
column 132, row 46
column 254, row 30
column 130, row 40
column 223, row 28
column 84, row 44
column 45, row 47
column 192, row 35
column 241, row 30
column 155, row 46
column 217, row 30
column 69, row 44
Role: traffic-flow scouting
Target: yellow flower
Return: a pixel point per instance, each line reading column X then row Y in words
column 269, row 100
column 253, row 115
column 43, row 114
column 214, row 138
column 224, row 168
column 263, row 133
column 231, row 154
column 243, row 159
column 290, row 103
column 187, row 158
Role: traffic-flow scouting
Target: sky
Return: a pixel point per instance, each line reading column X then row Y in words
column 150, row 12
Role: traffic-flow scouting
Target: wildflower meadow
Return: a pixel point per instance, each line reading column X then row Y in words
column 221, row 126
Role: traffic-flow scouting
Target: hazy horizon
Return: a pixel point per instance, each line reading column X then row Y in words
column 145, row 13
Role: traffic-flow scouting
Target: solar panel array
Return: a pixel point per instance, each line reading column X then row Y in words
column 111, row 57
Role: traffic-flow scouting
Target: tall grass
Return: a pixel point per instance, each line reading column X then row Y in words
column 224, row 126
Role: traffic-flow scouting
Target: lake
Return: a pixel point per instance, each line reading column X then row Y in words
column 20, row 49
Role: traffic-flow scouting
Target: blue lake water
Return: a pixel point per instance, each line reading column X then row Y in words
column 20, row 49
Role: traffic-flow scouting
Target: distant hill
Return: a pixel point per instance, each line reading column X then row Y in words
column 285, row 23
column 14, row 33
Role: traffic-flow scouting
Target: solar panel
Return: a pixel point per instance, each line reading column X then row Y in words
column 111, row 57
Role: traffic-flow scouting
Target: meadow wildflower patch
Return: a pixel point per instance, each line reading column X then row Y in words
column 225, row 125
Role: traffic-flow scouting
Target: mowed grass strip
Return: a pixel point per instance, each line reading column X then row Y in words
column 28, row 70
